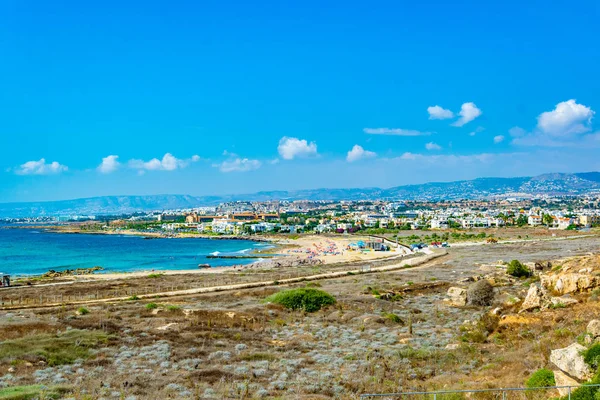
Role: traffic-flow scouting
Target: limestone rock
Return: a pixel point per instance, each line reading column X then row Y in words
column 563, row 379
column 536, row 298
column 569, row 283
column 563, row 301
column 457, row 296
column 570, row 361
column 593, row 328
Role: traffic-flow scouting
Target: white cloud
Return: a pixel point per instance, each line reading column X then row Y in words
column 517, row 131
column 358, row 153
column 195, row 158
column 109, row 164
column 290, row 148
column 476, row 131
column 395, row 132
column 567, row 118
column 453, row 159
column 437, row 112
column 498, row 139
column 538, row 139
column 468, row 112
column 238, row 164
column 167, row 163
column 433, row 146
column 409, row 156
column 40, row 168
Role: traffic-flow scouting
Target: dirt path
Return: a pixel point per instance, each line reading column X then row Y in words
column 404, row 264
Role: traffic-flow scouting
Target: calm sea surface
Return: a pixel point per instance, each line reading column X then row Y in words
column 31, row 251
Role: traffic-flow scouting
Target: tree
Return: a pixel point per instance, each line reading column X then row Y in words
column 522, row 220
column 547, row 219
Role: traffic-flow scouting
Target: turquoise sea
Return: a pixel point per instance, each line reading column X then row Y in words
column 35, row 251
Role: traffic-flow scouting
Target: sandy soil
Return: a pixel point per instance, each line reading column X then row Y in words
column 330, row 249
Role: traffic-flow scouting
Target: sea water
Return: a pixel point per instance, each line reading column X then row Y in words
column 35, row 251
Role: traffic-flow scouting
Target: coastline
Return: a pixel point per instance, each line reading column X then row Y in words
column 271, row 252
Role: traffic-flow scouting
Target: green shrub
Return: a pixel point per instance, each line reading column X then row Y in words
column 308, row 299
column 541, row 378
column 393, row 318
column 133, row 298
column 592, row 356
column 173, row 308
column 82, row 311
column 586, row 392
column 518, row 270
column 151, row 306
column 155, row 275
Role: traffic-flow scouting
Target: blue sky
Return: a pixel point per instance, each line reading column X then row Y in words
column 233, row 97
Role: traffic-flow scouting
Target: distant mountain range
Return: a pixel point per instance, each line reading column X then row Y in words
column 551, row 184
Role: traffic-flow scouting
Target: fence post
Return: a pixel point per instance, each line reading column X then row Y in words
column 569, row 392
column 503, row 395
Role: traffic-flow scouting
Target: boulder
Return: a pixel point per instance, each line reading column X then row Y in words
column 457, row 296
column 563, row 301
column 563, row 379
column 536, row 298
column 593, row 328
column 570, row 361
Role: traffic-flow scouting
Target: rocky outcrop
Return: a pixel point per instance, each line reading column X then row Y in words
column 537, row 298
column 570, row 361
column 457, row 296
column 569, row 282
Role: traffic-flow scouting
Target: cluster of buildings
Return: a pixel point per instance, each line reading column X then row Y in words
column 342, row 220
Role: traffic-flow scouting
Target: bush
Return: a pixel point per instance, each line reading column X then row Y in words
column 82, row 311
column 173, row 308
column 480, row 293
column 586, row 392
column 541, row 378
column 518, row 270
column 151, row 306
column 310, row 300
column 592, row 356
column 133, row 298
column 393, row 318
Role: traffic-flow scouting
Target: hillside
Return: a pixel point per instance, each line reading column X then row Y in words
column 554, row 184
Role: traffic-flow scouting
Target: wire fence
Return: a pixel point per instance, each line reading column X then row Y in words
column 99, row 290
column 540, row 393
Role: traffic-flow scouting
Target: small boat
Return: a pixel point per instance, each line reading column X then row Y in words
column 203, row 266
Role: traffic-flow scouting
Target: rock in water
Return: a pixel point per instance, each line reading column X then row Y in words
column 570, row 361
